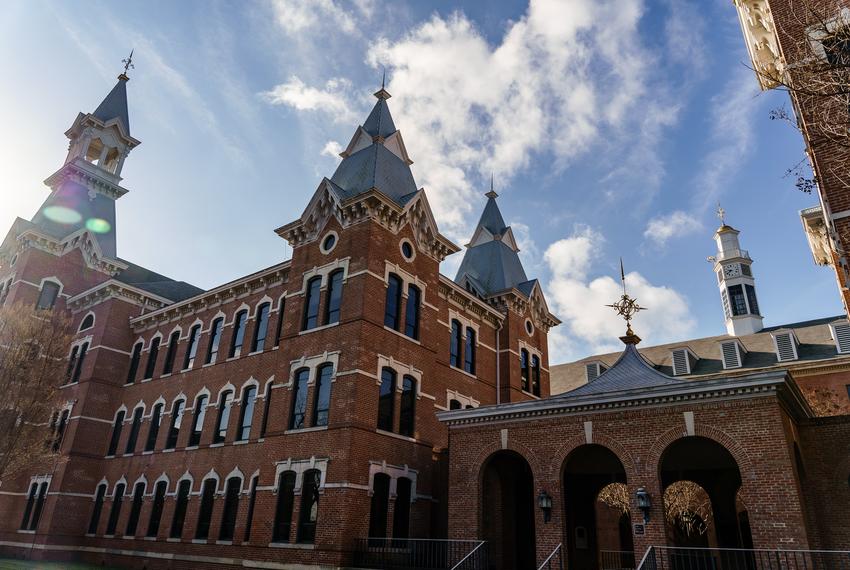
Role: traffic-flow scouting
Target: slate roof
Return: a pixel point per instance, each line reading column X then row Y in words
column 153, row 282
column 374, row 167
column 379, row 123
column 114, row 106
column 491, row 217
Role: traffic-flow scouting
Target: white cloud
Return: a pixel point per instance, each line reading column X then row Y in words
column 676, row 224
column 332, row 149
column 300, row 16
column 330, row 99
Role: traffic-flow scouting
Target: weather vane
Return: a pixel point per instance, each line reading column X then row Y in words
column 721, row 214
column 128, row 63
column 626, row 307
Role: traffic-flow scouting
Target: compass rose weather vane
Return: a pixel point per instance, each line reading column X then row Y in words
column 627, row 307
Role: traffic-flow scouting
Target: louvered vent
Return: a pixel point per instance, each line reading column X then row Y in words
column 786, row 348
column 681, row 362
column 731, row 356
column 842, row 337
column 594, row 370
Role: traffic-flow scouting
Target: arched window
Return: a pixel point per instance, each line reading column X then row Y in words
column 523, row 368
column 39, row 506
column 153, row 430
column 134, row 430
column 152, row 356
column 299, row 399
column 115, row 512
column 469, row 351
column 215, row 340
column 407, row 411
column 135, row 509
column 238, row 333
column 202, row 530
column 309, row 512
column 266, row 408
column 72, row 364
column 311, row 304
column 78, row 366
column 192, row 349
column 176, row 420
column 170, row 353
column 332, row 309
column 31, row 497
column 88, row 322
column 386, row 399
column 252, row 499
column 134, row 362
column 60, row 430
column 380, row 506
column 225, row 401
column 455, row 404
column 246, row 416
column 231, row 508
column 392, row 316
column 454, row 349
column 283, row 510
column 117, row 426
column 322, row 397
column 156, row 509
column 47, row 296
column 401, row 515
column 199, row 413
column 411, row 316
column 280, row 314
column 180, row 506
column 262, row 328
column 535, row 375
column 97, row 508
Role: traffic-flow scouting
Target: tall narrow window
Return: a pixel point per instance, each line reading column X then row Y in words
column 252, row 499
column 267, row 402
column 156, row 509
column 153, row 430
column 523, row 369
column 72, row 364
column 238, row 334
column 311, row 303
column 47, row 296
column 78, row 366
column 751, row 299
column 407, row 412
column 202, row 529
column 31, row 496
column 736, row 299
column 309, row 513
column 299, row 399
column 171, row 353
column 225, row 401
column 535, row 375
column 262, row 328
column 39, row 506
column 283, row 509
column 117, row 426
column 454, row 349
column 192, row 349
column 215, row 340
column 176, row 420
column 199, row 413
column 135, row 509
column 386, row 399
column 469, row 351
column 322, row 397
column 279, row 328
column 60, row 430
column 231, row 508
column 380, row 506
column 134, row 430
column 152, row 356
column 246, row 415
column 115, row 512
column 97, row 509
column 134, row 363
column 401, row 516
column 392, row 317
column 334, row 303
column 411, row 315
column 180, row 506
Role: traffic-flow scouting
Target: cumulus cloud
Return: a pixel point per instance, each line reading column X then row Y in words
column 296, row 16
column 332, row 149
column 330, row 99
column 661, row 229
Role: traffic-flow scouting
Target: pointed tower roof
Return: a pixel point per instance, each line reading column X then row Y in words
column 491, row 217
column 114, row 106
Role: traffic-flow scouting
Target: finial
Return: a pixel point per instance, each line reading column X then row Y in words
column 384, row 77
column 383, row 93
column 491, row 193
column 721, row 214
column 627, row 307
column 128, row 65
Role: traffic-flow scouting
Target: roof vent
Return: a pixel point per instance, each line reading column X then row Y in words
column 841, row 336
column 594, row 370
column 732, row 352
column 786, row 346
column 683, row 361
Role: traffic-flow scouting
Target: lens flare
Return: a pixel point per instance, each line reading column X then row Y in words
column 62, row 215
column 98, row 225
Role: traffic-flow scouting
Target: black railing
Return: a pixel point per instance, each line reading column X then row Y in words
column 420, row 554
column 671, row 558
column 554, row 561
column 616, row 560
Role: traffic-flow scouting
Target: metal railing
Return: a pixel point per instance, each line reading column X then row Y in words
column 554, row 561
column 616, row 560
column 672, row 558
column 420, row 554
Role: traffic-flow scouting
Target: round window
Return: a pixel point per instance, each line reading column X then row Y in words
column 407, row 250
column 529, row 328
column 329, row 242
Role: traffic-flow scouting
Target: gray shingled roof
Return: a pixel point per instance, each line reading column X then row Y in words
column 379, row 123
column 375, row 167
column 493, row 265
column 491, row 217
column 114, row 106
column 153, row 282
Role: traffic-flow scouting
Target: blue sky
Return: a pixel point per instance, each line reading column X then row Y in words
column 612, row 128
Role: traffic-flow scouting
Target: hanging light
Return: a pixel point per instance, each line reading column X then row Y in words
column 544, row 501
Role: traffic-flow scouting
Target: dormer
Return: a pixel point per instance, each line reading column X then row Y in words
column 594, row 370
column 785, row 342
column 683, row 359
column 841, row 335
column 732, row 353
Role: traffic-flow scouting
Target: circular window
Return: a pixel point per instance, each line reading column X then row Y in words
column 328, row 242
column 407, row 250
column 529, row 328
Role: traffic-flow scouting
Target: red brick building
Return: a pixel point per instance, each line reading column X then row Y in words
column 273, row 420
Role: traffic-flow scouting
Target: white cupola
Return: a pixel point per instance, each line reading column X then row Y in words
column 733, row 267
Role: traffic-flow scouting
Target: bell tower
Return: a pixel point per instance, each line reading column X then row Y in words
column 733, row 267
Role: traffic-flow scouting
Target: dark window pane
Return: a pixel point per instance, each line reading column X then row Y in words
column 116, row 433
column 334, row 297
column 411, row 317
column 251, row 502
column 401, row 516
column 39, row 506
column 455, row 405
column 134, row 431
column 386, row 400
column 309, row 513
column 266, row 408
column 115, row 512
column 322, row 401
column 176, row 421
column 198, row 424
column 180, row 507
column 299, row 399
column 535, row 375
column 72, row 364
column 407, row 412
column 47, row 296
column 455, row 345
column 225, row 402
column 135, row 510
column 279, row 331
column 87, row 323
column 60, row 431
column 156, row 509
column 523, row 369
column 202, row 530
column 469, row 352
column 134, row 363
column 215, row 340
column 311, row 303
column 25, row 521
column 380, row 506
column 152, row 356
column 231, row 509
column 393, row 302
column 97, row 509
column 192, row 349
column 168, row 365
column 249, row 399
column 283, row 510
column 736, row 299
column 78, row 367
column 261, row 329
column 153, row 430
column 751, row 299
column 238, row 333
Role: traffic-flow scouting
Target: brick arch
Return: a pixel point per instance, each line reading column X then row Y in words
column 559, row 458
column 538, row 469
column 729, row 443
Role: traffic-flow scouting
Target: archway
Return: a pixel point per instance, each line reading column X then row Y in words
column 596, row 521
column 507, row 511
column 700, row 480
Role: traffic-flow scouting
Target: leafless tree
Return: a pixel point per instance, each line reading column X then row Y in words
column 688, row 507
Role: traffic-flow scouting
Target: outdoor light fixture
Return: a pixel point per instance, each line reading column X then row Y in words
column 544, row 501
column 644, row 502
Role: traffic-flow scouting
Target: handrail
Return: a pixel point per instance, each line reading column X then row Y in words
column 551, row 556
column 471, row 552
column 645, row 555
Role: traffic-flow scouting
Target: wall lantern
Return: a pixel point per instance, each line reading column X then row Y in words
column 644, row 502
column 544, row 501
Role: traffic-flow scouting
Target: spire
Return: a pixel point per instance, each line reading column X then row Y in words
column 733, row 268
column 114, row 105
column 491, row 218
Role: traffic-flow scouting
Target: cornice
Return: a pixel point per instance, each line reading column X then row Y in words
column 89, row 176
column 114, row 289
column 451, row 291
column 31, row 238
